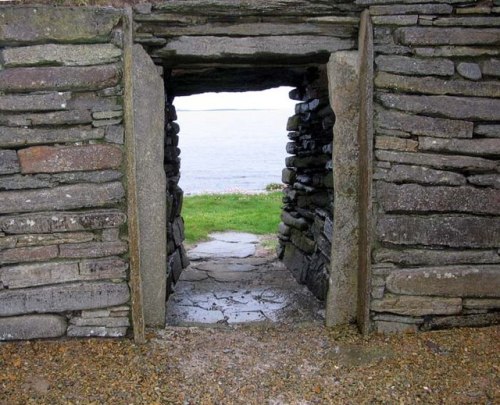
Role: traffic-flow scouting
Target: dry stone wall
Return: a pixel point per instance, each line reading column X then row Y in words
column 436, row 261
column 63, row 248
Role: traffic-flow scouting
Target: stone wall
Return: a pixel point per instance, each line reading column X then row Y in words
column 305, row 232
column 436, row 261
column 63, row 238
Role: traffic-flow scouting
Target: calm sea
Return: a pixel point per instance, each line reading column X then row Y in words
column 231, row 150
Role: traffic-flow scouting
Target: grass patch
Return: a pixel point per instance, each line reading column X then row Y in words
column 254, row 213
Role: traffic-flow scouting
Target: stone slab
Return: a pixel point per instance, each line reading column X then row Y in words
column 51, row 222
column 416, row 257
column 466, row 108
column 417, row 305
column 24, row 25
column 448, row 36
column 28, row 254
column 421, row 125
column 9, row 163
column 491, row 180
column 51, row 238
column 34, row 102
column 446, row 51
column 234, row 237
column 475, row 147
column 440, row 230
column 56, row 55
column 489, row 131
column 415, row 66
column 397, row 9
column 61, row 198
column 32, row 275
column 59, row 78
column 109, row 322
column 11, row 137
column 215, row 248
column 92, row 249
column 72, row 117
column 95, row 331
column 48, row 159
column 416, row 198
column 447, row 322
column 491, row 67
column 448, row 281
column 60, row 298
column 433, row 85
column 32, row 327
column 423, row 175
column 482, row 303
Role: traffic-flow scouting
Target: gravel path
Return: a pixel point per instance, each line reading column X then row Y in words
column 257, row 364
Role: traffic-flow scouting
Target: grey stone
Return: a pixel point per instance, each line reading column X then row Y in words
column 469, row 163
column 105, row 123
column 304, row 243
column 59, row 78
column 51, row 222
column 288, row 176
column 296, row 261
column 32, row 327
column 97, row 176
column 416, row 257
column 108, row 322
column 19, row 182
column 416, row 198
column 411, row 9
column 208, row 48
column 399, row 20
column 103, row 115
column 421, row 125
column 481, row 303
column 423, row 175
column 114, row 134
column 56, row 55
column 448, row 36
column 491, row 67
column 433, row 85
column 417, row 305
column 415, row 66
column 295, row 222
column 446, row 51
column 53, row 238
column 72, row 117
column 98, row 331
column 492, row 180
column 32, row 275
column 207, row 250
column 488, row 131
column 92, row 249
column 388, row 327
column 469, row 70
column 9, row 163
column 442, row 230
column 63, row 197
column 478, row 147
column 92, row 101
column 22, row 25
column 109, row 235
column 60, row 298
column 28, row 254
column 448, row 281
column 10, row 137
column 34, row 102
column 234, row 237
column 467, row 21
column 395, row 143
column 447, row 322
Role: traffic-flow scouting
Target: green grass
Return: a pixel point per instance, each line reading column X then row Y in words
column 254, row 213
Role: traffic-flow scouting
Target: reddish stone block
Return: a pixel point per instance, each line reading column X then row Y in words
column 48, row 159
column 28, row 254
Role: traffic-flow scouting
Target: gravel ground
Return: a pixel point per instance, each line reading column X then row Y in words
column 257, row 364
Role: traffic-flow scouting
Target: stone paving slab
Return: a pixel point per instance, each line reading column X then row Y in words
column 218, row 289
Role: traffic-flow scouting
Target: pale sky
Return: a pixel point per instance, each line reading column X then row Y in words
column 272, row 99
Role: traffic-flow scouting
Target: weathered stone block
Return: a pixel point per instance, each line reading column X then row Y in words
column 11, row 137
column 474, row 108
column 489, row 131
column 19, row 182
column 400, row 20
column 52, row 238
column 307, row 161
column 387, row 327
column 478, row 147
column 397, row 9
column 109, row 235
column 416, row 198
column 491, row 67
column 296, row 261
column 453, row 231
column 9, row 162
column 34, row 102
column 28, row 254
column 416, row 257
column 60, row 298
column 300, row 240
column 448, row 281
column 481, row 303
column 448, row 36
column 470, row 71
column 31, row 275
column 98, row 269
column 417, row 305
column 59, row 78
column 288, row 176
column 469, row 163
column 72, row 117
column 415, row 66
column 422, row 175
column 32, row 327
column 21, row 25
column 114, row 134
column 61, row 221
column 421, row 125
column 109, row 322
column 92, row 249
column 394, row 143
column 491, row 180
column 66, row 55
column 48, row 159
column 446, row 51
column 101, row 176
column 447, row 322
column 99, row 331
column 61, row 198
column 433, row 85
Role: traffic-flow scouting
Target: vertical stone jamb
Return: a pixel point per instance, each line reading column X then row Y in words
column 131, row 171
column 365, row 140
column 343, row 81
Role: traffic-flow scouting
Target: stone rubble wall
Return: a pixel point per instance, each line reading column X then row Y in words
column 305, row 232
column 436, row 261
column 63, row 235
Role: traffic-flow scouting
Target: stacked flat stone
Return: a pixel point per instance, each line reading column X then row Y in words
column 63, row 268
column 436, row 262
column 177, row 256
column 306, row 228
